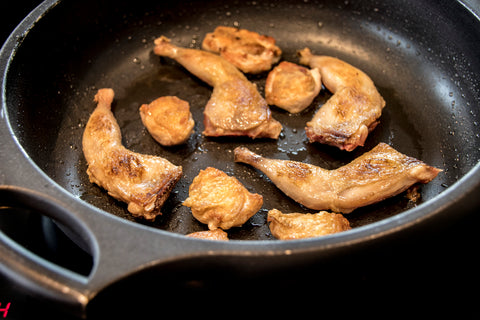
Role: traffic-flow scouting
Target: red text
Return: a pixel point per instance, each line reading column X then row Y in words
column 4, row 310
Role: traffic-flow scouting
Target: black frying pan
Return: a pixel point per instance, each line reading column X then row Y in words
column 425, row 66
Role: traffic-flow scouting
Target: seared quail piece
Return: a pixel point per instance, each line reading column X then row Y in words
column 217, row 234
column 221, row 201
column 292, row 87
column 144, row 182
column 235, row 108
column 352, row 112
column 376, row 175
column 247, row 50
column 168, row 119
column 304, row 225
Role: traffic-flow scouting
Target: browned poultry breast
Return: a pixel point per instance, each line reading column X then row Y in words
column 235, row 108
column 292, row 87
column 247, row 50
column 144, row 182
column 217, row 234
column 351, row 113
column 304, row 225
column 168, row 119
column 376, row 175
column 221, row 201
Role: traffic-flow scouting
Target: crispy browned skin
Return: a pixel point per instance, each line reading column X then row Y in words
column 235, row 108
column 303, row 225
column 217, row 234
column 220, row 200
column 292, row 87
column 144, row 182
column 247, row 50
column 351, row 113
column 376, row 175
column 168, row 119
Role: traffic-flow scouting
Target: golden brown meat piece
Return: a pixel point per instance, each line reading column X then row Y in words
column 247, row 50
column 220, row 200
column 235, row 108
column 217, row 234
column 303, row 225
column 168, row 119
column 376, row 175
column 292, row 87
column 144, row 182
column 351, row 113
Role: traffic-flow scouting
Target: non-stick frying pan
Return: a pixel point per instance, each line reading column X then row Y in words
column 422, row 56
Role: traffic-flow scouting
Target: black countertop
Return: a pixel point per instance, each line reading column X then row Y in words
column 434, row 271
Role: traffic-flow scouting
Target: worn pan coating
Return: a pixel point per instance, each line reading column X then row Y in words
column 425, row 66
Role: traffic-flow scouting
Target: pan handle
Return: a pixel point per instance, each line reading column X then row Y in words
column 33, row 272
column 118, row 250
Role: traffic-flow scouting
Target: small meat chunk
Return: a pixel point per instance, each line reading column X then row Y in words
column 303, row 225
column 168, row 119
column 247, row 50
column 292, row 87
column 217, row 234
column 221, row 201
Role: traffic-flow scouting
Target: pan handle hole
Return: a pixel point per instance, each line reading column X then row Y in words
column 44, row 236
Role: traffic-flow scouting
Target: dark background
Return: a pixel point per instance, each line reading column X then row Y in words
column 432, row 271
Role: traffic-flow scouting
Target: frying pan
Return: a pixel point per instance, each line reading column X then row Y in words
column 425, row 66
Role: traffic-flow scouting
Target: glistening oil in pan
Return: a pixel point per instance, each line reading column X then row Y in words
column 200, row 152
column 402, row 77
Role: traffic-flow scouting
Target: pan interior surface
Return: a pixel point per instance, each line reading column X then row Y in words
column 425, row 66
